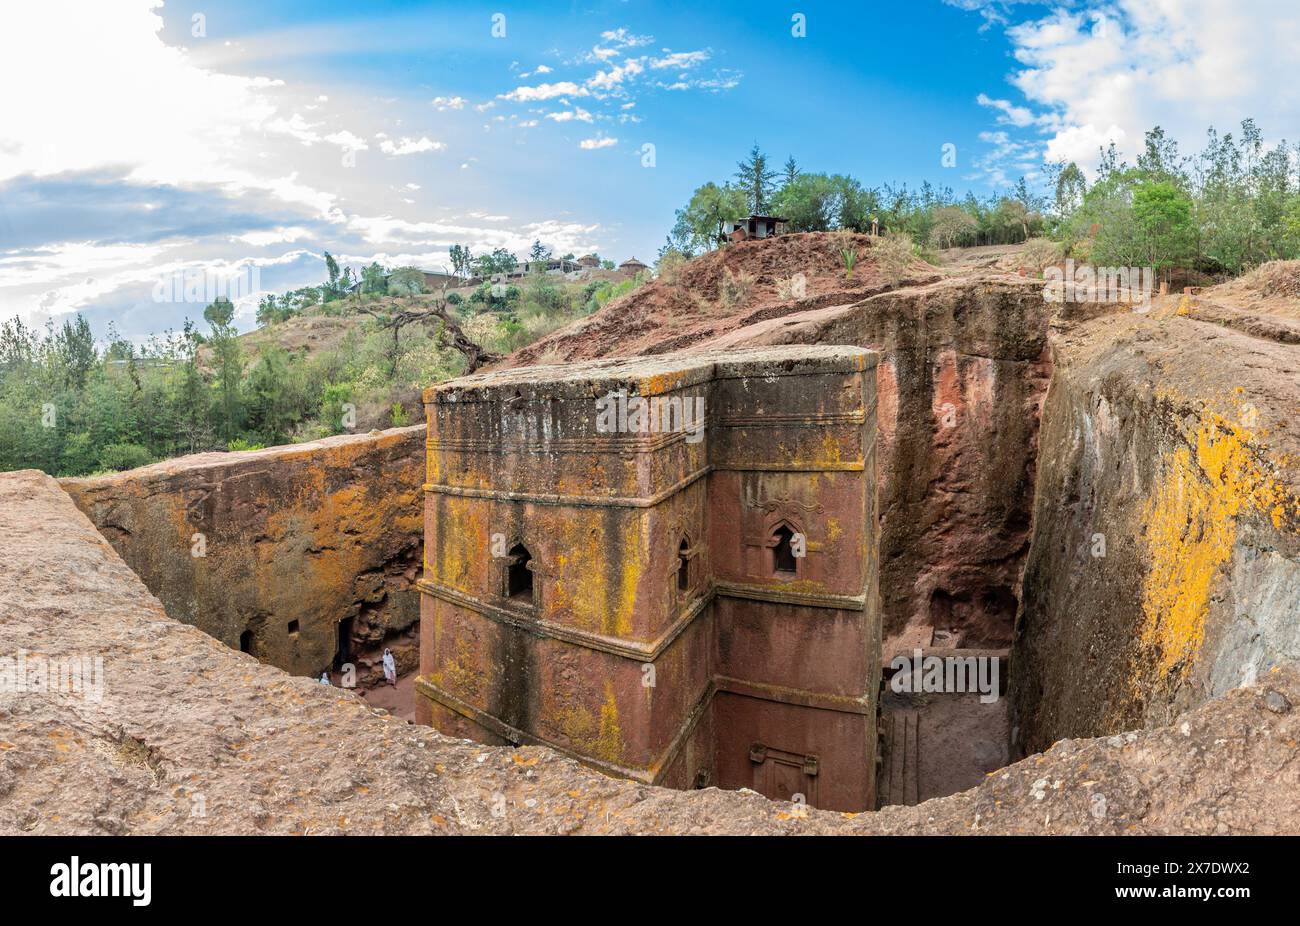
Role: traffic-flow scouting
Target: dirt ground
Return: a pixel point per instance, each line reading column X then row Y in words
column 398, row 700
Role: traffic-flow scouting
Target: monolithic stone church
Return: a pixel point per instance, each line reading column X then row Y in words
column 664, row 567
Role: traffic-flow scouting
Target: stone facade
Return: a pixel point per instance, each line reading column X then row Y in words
column 688, row 603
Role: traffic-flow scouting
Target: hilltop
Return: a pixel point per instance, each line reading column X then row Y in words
column 731, row 287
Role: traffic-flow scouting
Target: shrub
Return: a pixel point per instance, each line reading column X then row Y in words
column 669, row 266
column 734, row 289
column 124, row 456
column 894, row 254
column 1038, row 254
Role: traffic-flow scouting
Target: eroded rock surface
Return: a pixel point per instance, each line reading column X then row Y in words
column 283, row 544
column 191, row 736
column 965, row 366
column 1165, row 567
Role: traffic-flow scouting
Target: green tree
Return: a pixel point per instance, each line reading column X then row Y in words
column 229, row 366
column 1071, row 186
column 462, row 262
column 499, row 261
column 953, row 225
column 406, row 281
column 1163, row 216
column 789, row 172
column 755, row 178
column 702, row 224
column 374, row 279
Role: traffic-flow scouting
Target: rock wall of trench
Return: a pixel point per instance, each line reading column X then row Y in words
column 284, row 543
column 965, row 368
column 1165, row 563
column 186, row 735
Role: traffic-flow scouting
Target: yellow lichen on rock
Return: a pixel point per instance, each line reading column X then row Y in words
column 1191, row 528
column 602, row 737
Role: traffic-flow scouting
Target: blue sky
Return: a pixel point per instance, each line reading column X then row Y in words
column 143, row 139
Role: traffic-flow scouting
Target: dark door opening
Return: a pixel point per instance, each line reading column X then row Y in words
column 246, row 642
column 343, row 652
column 783, row 553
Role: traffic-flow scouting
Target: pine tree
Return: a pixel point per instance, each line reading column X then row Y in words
column 755, row 178
column 789, row 172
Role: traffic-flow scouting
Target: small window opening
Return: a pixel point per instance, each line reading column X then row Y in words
column 684, row 566
column 293, row 628
column 519, row 578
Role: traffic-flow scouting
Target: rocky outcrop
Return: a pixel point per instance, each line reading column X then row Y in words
column 1165, row 565
column 280, row 552
column 187, row 735
column 964, row 369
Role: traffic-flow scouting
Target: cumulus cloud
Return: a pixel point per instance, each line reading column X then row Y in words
column 1108, row 73
column 123, row 158
column 600, row 141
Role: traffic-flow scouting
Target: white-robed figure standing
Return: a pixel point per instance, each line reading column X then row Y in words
column 325, row 678
column 390, row 667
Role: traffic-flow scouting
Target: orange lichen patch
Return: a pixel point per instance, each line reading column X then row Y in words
column 1191, row 528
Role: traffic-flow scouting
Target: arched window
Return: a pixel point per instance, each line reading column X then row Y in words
column 782, row 553
column 519, row 578
column 684, row 566
column 246, row 642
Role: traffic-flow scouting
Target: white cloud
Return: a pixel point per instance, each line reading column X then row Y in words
column 346, row 139
column 681, row 59
column 1011, row 114
column 600, row 141
column 1090, row 77
column 544, row 92
column 442, row 103
column 404, row 146
column 614, row 76
column 568, row 115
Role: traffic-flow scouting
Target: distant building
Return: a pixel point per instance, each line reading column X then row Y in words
column 758, row 226
column 632, row 266
column 589, row 262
